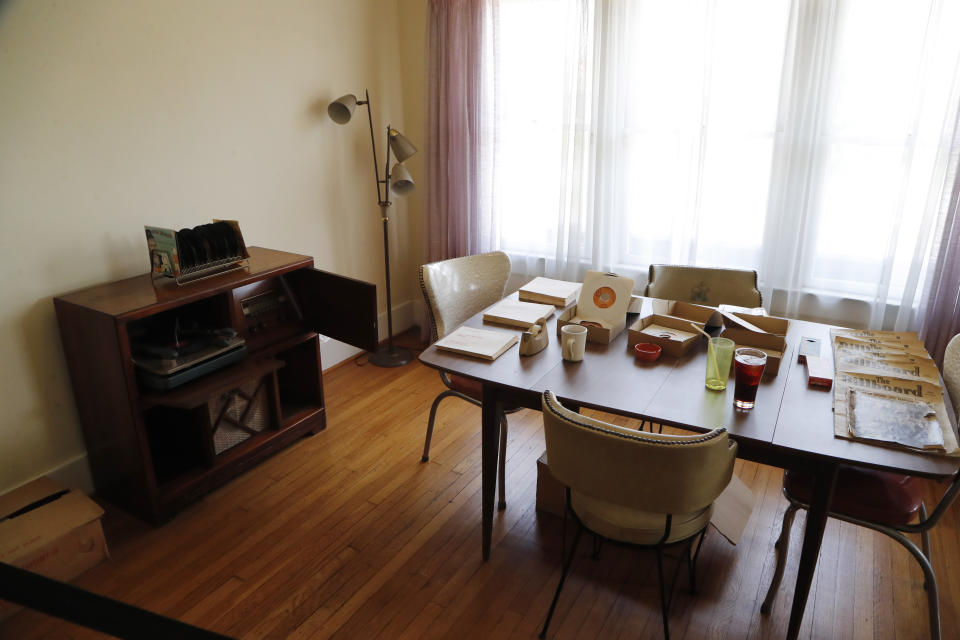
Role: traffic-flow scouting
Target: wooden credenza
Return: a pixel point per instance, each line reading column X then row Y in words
column 152, row 451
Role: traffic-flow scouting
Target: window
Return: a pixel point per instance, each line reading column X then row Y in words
column 736, row 133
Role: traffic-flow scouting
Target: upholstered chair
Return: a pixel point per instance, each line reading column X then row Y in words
column 455, row 290
column 890, row 503
column 644, row 490
column 702, row 285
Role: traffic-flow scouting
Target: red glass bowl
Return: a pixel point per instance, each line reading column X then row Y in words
column 646, row 351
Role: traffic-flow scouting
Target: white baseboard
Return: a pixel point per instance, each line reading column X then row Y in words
column 333, row 352
column 73, row 474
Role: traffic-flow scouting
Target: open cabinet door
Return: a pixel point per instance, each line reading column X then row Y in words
column 337, row 307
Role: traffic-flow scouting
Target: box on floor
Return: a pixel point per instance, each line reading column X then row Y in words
column 49, row 530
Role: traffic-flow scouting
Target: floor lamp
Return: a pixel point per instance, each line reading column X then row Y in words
column 398, row 181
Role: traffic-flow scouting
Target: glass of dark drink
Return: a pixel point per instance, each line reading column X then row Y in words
column 748, row 366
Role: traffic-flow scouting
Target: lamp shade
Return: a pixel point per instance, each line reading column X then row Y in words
column 402, row 182
column 341, row 109
column 402, row 148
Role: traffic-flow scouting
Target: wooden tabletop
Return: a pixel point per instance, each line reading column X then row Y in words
column 790, row 420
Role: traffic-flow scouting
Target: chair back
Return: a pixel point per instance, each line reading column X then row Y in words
column 951, row 371
column 457, row 288
column 656, row 473
column 702, row 285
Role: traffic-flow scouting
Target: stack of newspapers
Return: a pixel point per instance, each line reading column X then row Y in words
column 887, row 390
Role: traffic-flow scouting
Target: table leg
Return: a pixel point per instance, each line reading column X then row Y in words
column 489, row 445
column 824, row 478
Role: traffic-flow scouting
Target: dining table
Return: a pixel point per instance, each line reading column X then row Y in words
column 791, row 426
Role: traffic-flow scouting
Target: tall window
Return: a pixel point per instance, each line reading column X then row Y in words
column 806, row 139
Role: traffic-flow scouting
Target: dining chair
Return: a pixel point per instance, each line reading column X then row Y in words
column 703, row 285
column 879, row 500
column 650, row 491
column 455, row 290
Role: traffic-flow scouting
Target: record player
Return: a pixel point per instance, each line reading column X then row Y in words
column 168, row 363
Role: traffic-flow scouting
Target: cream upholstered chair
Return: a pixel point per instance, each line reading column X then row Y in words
column 702, row 285
column 644, row 490
column 456, row 289
column 882, row 501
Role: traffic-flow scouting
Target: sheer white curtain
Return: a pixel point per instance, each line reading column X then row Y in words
column 806, row 139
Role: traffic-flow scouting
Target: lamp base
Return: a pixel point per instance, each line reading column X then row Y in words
column 385, row 357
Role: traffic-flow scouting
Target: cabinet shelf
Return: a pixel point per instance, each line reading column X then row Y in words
column 195, row 393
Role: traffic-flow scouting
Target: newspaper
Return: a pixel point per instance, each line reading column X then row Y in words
column 887, row 389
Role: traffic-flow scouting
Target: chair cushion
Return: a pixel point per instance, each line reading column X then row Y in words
column 466, row 386
column 877, row 496
column 631, row 525
column 474, row 389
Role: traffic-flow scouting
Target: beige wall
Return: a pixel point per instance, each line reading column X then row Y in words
column 120, row 113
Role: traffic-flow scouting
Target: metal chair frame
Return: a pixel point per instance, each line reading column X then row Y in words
column 922, row 527
column 666, row 598
column 451, row 392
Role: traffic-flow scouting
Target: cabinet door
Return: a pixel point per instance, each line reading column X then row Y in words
column 335, row 306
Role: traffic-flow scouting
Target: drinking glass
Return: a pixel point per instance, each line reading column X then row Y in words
column 719, row 355
column 748, row 366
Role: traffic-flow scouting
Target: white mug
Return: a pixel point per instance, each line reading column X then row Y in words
column 573, row 342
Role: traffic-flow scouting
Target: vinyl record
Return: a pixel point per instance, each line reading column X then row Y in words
column 221, row 250
column 229, row 238
column 204, row 243
column 188, row 249
column 232, row 236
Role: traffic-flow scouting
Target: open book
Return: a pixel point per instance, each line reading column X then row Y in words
column 479, row 343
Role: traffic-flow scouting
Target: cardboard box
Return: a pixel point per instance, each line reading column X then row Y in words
column 602, row 335
column 703, row 316
column 775, row 326
column 774, row 346
column 49, row 530
column 731, row 510
column 773, row 342
column 670, row 346
column 551, row 495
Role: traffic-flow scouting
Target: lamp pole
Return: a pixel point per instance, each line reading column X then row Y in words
column 390, row 355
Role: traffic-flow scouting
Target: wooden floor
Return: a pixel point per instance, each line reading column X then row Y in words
column 345, row 534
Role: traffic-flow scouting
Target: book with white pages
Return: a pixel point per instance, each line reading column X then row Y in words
column 479, row 343
column 518, row 314
column 559, row 293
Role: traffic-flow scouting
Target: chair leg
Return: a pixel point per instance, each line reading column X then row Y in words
column 930, row 579
column 433, row 416
column 563, row 576
column 503, row 463
column 692, row 563
column 663, row 596
column 925, row 541
column 782, row 544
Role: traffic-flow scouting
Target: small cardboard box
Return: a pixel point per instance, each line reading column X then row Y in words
column 602, row 335
column 773, row 342
column 49, row 530
column 774, row 346
column 703, row 316
column 672, row 346
column 551, row 495
column 775, row 326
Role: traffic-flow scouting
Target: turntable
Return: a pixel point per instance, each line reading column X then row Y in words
column 189, row 355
